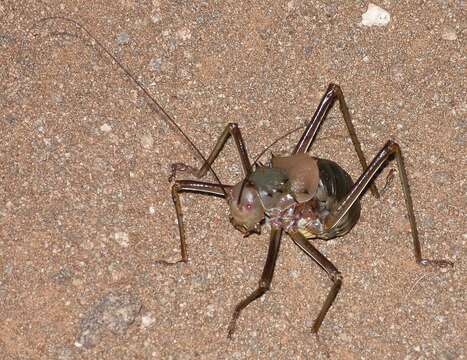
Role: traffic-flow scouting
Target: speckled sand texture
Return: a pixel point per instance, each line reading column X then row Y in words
column 85, row 205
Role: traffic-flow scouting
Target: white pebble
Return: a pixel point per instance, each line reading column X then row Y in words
column 295, row 274
column 155, row 18
column 184, row 34
column 210, row 311
column 147, row 141
column 152, row 210
column 449, row 34
column 147, row 320
column 106, row 128
column 375, row 16
column 122, row 238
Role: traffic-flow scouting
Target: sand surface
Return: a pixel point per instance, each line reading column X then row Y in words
column 85, row 205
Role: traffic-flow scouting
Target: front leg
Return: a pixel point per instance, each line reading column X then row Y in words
column 199, row 187
column 265, row 281
column 231, row 129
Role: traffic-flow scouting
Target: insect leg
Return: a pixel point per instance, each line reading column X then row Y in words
column 332, row 93
column 231, row 129
column 265, row 281
column 389, row 149
column 190, row 186
column 327, row 266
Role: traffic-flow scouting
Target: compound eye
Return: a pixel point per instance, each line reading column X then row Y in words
column 248, row 206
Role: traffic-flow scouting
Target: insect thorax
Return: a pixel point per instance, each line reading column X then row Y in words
column 281, row 204
column 305, row 211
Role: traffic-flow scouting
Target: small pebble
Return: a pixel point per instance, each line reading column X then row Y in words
column 397, row 72
column 123, row 38
column 184, row 34
column 441, row 177
column 294, row 274
column 147, row 320
column 155, row 18
column 210, row 311
column 147, row 141
column 57, row 99
column 375, row 16
column 155, row 64
column 122, row 238
column 106, row 128
column 449, row 34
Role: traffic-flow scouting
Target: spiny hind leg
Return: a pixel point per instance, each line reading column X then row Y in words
column 333, row 93
column 391, row 148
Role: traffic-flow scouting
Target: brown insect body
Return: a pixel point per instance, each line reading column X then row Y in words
column 296, row 193
column 305, row 197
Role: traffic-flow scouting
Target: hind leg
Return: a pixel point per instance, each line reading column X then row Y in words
column 332, row 94
column 390, row 149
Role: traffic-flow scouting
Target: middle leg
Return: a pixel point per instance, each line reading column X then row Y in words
column 327, row 266
column 264, row 283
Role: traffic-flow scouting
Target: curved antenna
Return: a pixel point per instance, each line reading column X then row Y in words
column 275, row 142
column 255, row 162
column 157, row 107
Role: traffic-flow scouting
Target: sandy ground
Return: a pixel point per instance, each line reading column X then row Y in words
column 85, row 206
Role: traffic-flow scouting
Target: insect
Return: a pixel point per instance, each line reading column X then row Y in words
column 299, row 195
column 303, row 196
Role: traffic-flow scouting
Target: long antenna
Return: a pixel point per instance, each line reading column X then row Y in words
column 289, row 133
column 156, row 106
column 276, row 141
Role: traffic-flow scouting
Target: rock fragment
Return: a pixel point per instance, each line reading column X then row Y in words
column 375, row 16
column 114, row 313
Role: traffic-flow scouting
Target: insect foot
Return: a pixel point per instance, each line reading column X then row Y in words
column 437, row 263
column 180, row 167
column 232, row 324
column 169, row 263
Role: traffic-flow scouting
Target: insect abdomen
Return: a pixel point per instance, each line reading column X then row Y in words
column 334, row 185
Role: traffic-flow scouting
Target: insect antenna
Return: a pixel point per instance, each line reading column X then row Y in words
column 256, row 161
column 156, row 107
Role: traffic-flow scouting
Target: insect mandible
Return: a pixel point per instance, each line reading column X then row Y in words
column 300, row 195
